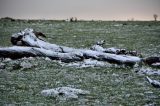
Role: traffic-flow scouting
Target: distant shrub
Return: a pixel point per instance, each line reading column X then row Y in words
column 8, row 18
column 73, row 19
column 124, row 23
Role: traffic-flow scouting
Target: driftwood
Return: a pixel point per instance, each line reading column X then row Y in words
column 28, row 38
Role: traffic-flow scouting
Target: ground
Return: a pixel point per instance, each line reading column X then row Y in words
column 108, row 86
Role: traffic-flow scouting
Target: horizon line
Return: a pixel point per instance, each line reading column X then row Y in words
column 65, row 19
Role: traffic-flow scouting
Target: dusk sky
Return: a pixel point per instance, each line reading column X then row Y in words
column 82, row 9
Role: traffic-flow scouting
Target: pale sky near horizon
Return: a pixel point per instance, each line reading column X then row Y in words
column 82, row 9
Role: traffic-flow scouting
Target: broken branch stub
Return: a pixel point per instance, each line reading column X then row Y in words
column 114, row 50
column 154, row 83
column 152, row 60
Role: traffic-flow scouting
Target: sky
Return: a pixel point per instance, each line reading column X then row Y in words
column 82, row 9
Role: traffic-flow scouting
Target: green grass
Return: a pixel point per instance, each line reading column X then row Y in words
column 108, row 86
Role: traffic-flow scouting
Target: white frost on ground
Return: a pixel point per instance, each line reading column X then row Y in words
column 64, row 93
column 148, row 71
column 7, row 60
column 26, row 65
column 87, row 63
column 2, row 66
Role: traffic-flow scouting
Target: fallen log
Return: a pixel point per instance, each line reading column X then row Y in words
column 28, row 38
column 111, row 58
column 17, row 52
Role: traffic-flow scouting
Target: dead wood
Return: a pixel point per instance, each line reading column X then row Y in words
column 29, row 39
column 17, row 52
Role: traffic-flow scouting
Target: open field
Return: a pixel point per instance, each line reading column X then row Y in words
column 108, row 86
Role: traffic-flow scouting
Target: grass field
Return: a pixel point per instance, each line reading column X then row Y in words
column 108, row 86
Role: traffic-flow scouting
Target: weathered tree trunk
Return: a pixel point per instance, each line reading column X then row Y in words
column 17, row 52
column 42, row 48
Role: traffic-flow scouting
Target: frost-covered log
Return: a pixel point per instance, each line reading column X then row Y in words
column 112, row 58
column 17, row 52
column 16, row 39
column 28, row 38
column 64, row 92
